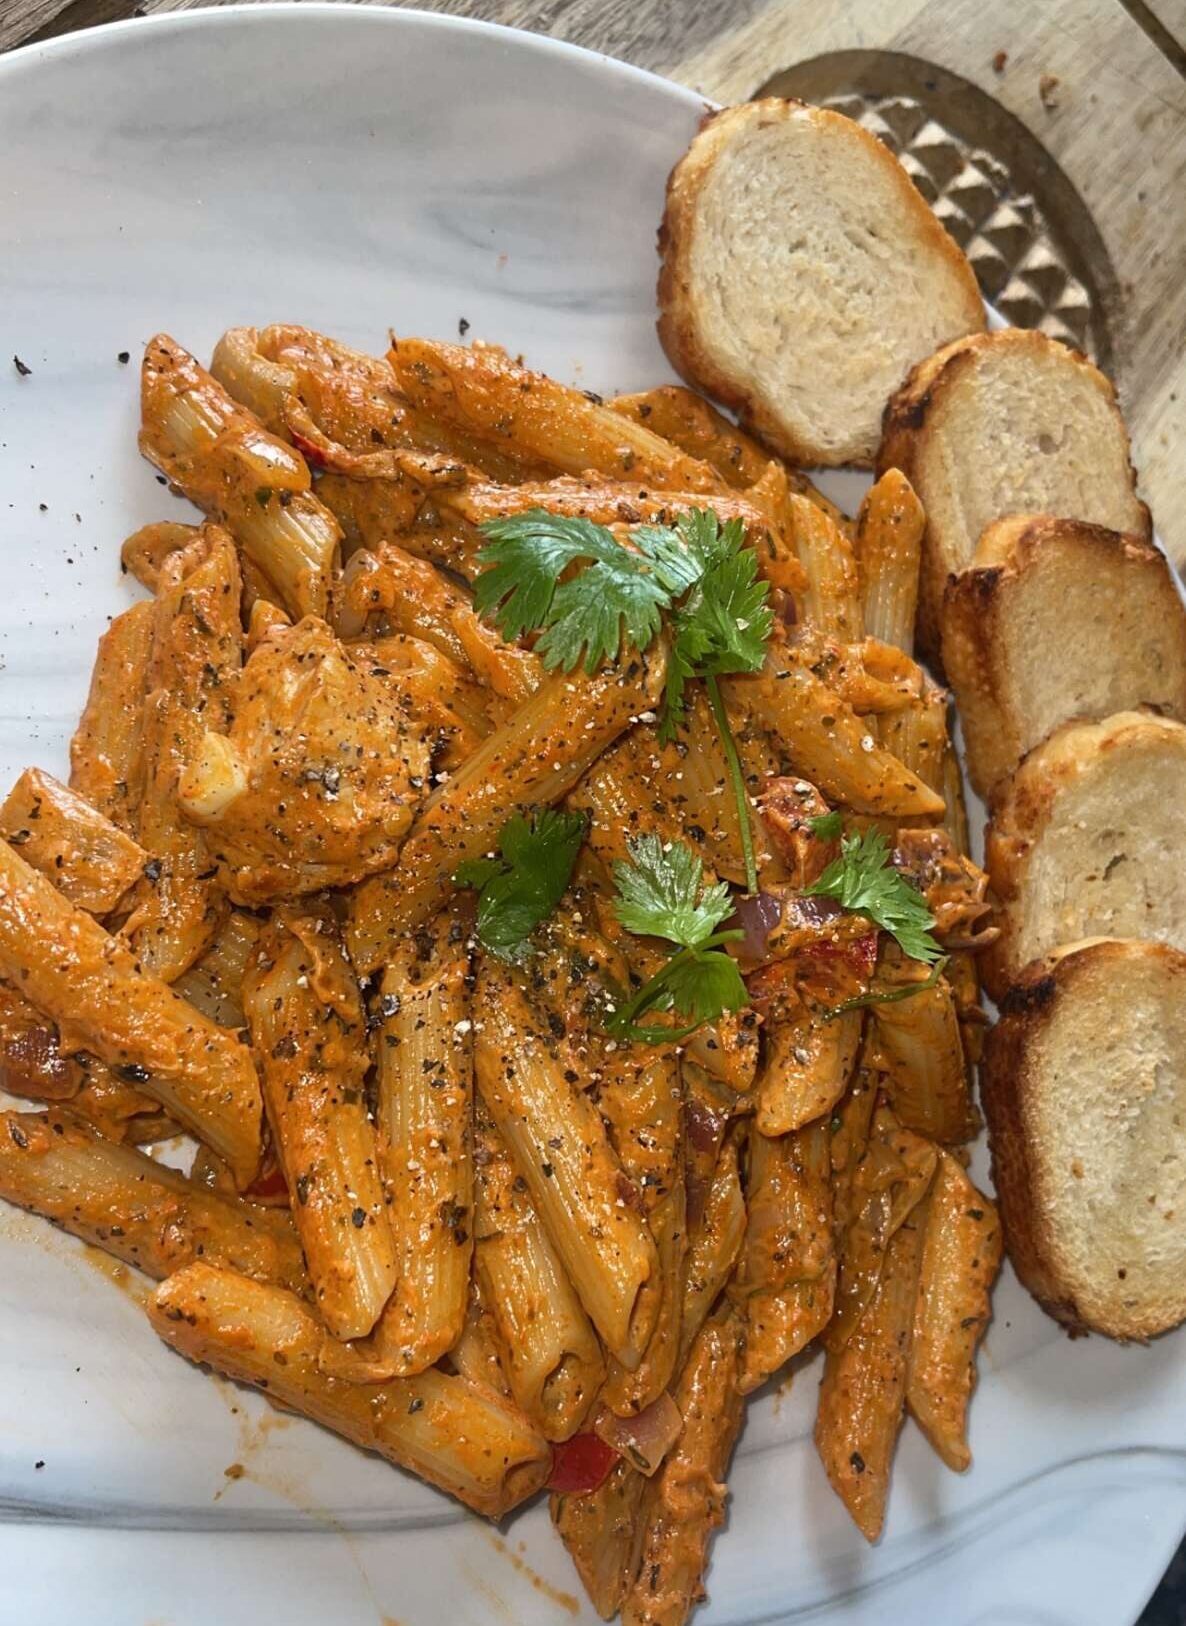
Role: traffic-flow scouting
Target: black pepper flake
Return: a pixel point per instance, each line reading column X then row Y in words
column 414, row 1406
column 263, row 495
column 132, row 1073
column 40, row 1463
column 24, row 371
column 44, row 507
column 152, row 870
column 302, row 1189
column 463, row 327
column 284, row 1049
column 18, row 1135
column 124, row 357
column 358, row 1218
column 858, row 1462
column 546, row 1169
column 161, row 481
column 19, row 837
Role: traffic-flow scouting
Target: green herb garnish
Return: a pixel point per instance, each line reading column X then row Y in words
column 522, row 886
column 660, row 895
column 697, row 573
column 827, row 826
column 864, row 881
column 887, row 996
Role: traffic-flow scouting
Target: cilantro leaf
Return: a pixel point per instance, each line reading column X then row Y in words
column 863, row 880
column 827, row 826
column 724, row 624
column 618, row 597
column 657, row 894
column 522, row 886
column 888, row 996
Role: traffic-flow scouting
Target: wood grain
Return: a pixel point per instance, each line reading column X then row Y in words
column 1117, row 126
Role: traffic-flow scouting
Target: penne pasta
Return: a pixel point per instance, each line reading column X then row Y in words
column 961, row 1255
column 106, row 752
column 219, row 456
column 91, row 985
column 926, row 1074
column 685, row 1501
column 602, row 1532
column 308, row 1034
column 641, row 1101
column 480, row 391
column 786, row 1277
column 533, row 759
column 827, row 742
column 832, row 601
column 476, row 1356
column 192, row 676
column 714, row 1245
column 144, row 553
column 137, row 1209
column 688, row 421
column 88, row 858
column 214, row 984
column 550, row 1353
column 556, row 1136
column 119, row 1111
column 864, row 1387
column 459, row 1436
column 808, row 1063
column 423, row 1117
column 916, row 734
column 888, row 545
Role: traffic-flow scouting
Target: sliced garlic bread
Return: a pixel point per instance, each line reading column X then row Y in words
column 1002, row 423
column 1084, row 1087
column 1057, row 619
column 1088, row 839
column 803, row 276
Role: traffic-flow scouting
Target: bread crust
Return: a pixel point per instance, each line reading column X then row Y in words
column 679, row 331
column 975, row 648
column 906, row 424
column 1011, row 1086
column 1023, row 811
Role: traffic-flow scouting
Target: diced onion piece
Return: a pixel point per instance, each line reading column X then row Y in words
column 643, row 1440
column 212, row 781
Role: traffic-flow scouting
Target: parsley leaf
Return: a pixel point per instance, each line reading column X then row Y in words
column 888, row 996
column 619, row 596
column 521, row 887
column 827, row 826
column 659, row 895
column 863, row 880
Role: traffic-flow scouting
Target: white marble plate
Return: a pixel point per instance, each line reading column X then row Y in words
column 359, row 169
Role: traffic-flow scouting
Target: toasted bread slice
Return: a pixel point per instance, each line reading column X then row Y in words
column 1084, row 1087
column 1055, row 620
column 1088, row 839
column 803, row 276
column 1005, row 423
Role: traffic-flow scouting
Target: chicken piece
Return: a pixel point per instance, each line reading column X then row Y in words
column 953, row 886
column 788, row 808
column 317, row 782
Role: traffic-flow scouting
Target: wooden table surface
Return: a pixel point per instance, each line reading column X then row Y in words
column 1117, row 126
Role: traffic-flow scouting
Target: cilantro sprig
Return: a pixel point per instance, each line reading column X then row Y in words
column 864, row 881
column 520, row 888
column 660, row 893
column 697, row 573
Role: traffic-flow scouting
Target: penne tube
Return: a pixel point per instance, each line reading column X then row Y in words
column 480, row 391
column 728, row 1049
column 529, row 1083
column 457, row 1435
column 192, row 676
column 214, row 984
column 106, row 752
column 827, row 742
column 688, row 421
column 786, row 1276
column 423, row 1117
column 832, row 600
column 143, row 1212
column 392, row 591
column 955, row 818
column 145, row 551
column 641, row 1100
column 89, row 859
column 220, row 457
column 926, row 1073
column 91, row 985
column 961, row 1255
column 602, row 1532
column 916, row 734
column 685, row 1501
column 439, row 692
column 864, row 1387
column 889, row 544
column 550, row 1353
column 120, row 1112
column 714, row 1246
column 532, row 760
column 308, row 1033
column 476, row 1355
column 808, row 1063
